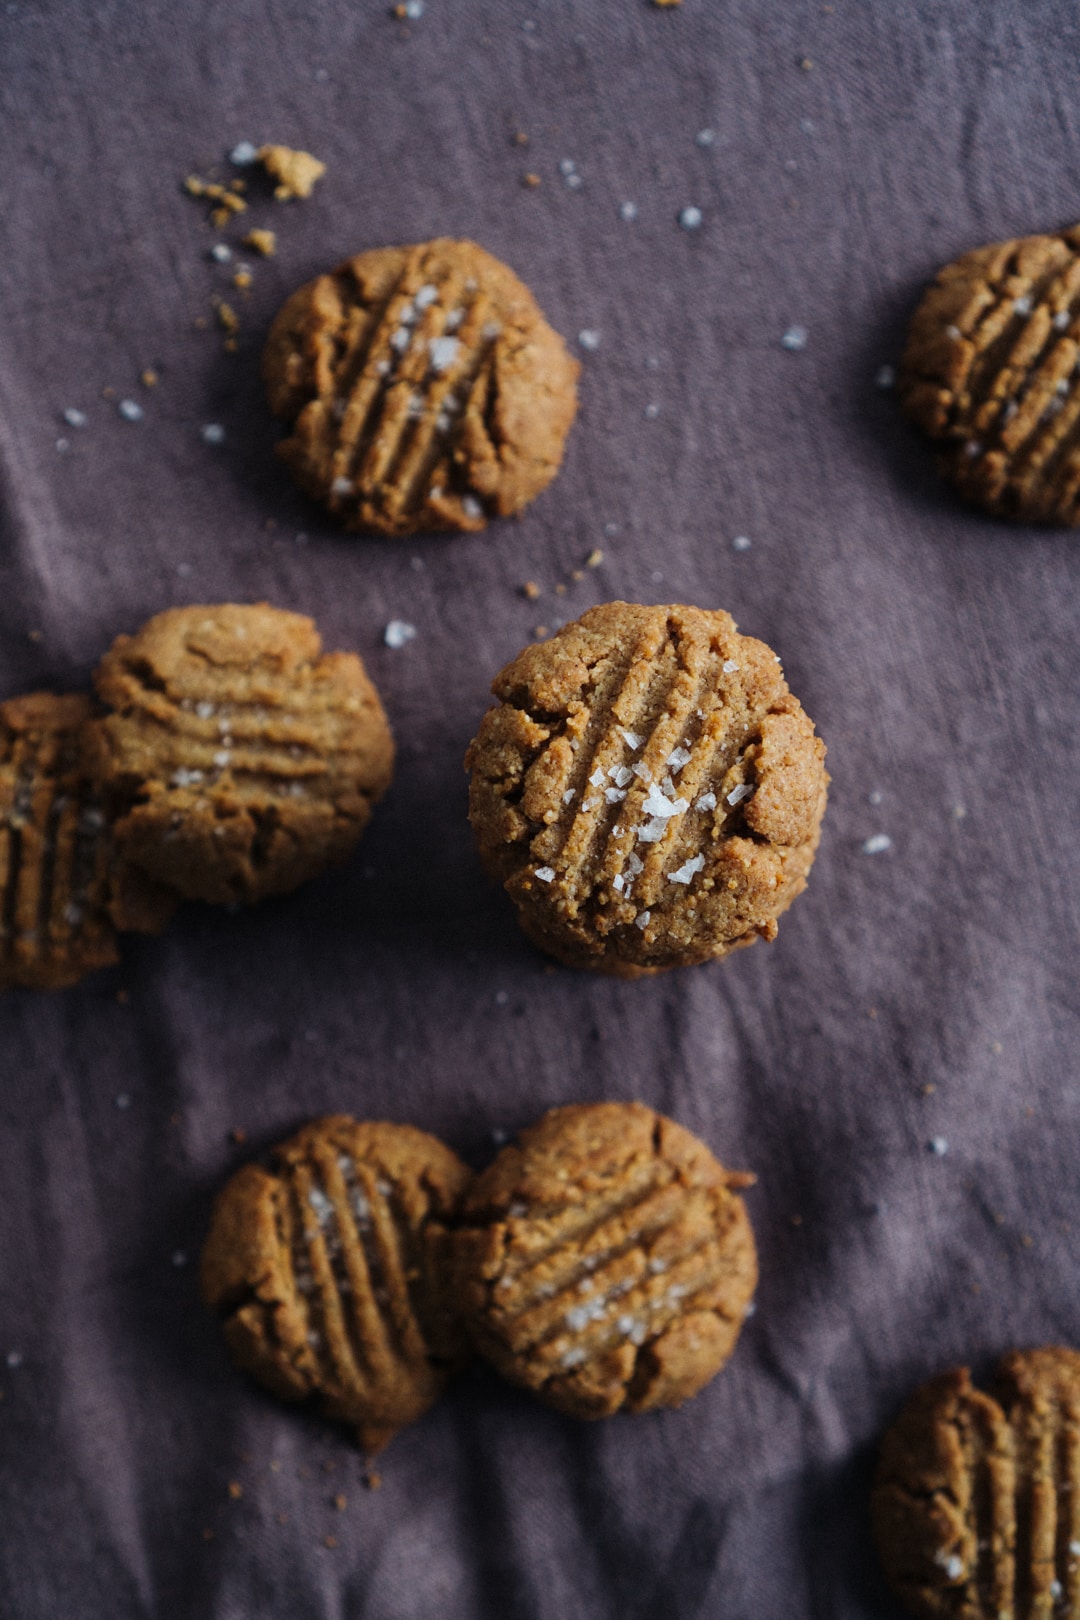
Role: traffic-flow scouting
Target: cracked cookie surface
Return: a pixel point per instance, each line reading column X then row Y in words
column 242, row 759
column 328, row 1271
column 64, row 892
column 976, row 1506
column 423, row 388
column 990, row 372
column 648, row 790
column 606, row 1261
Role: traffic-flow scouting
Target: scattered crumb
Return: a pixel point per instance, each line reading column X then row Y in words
column 200, row 323
column 996, row 1048
column 372, row 1480
column 295, row 172
column 236, row 1490
column 239, row 1136
column 242, row 280
column 664, row 3
column 560, row 589
column 329, row 1466
column 264, row 242
column 595, row 558
column 329, row 1541
column 520, row 138
column 1026, row 1240
column 227, row 318
column 275, row 1462
column 282, row 1518
column 530, row 590
column 34, row 635
column 577, row 574
column 340, row 1502
column 806, row 64
column 872, row 1013
column 149, row 377
column 226, row 200
column 540, row 632
column 530, row 180
column 999, row 1219
column 929, row 1089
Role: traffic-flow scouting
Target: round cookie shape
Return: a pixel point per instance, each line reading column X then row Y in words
column 606, row 1261
column 976, row 1505
column 990, row 372
column 329, row 1272
column 648, row 790
column 242, row 760
column 423, row 388
column 65, row 893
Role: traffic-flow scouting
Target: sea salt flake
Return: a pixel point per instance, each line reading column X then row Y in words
column 938, row 1145
column 568, row 795
column 628, row 210
column 576, row 1318
column 656, row 804
column 690, row 218
column 730, row 666
column 656, row 1266
column 794, row 339
column 626, row 1324
column 620, row 775
column 222, row 758
column 642, row 919
column 885, row 378
column 631, row 739
column 320, row 1204
column 243, row 154
column 407, row 314
column 706, row 802
column 442, row 352
column 877, row 845
column 400, row 339
column 687, row 870
column 74, row 418
column 742, row 790
column 130, row 411
column 597, row 778
column 574, row 182
column 589, row 340
column 618, row 882
column 634, row 864
column 14, row 1359
column 614, row 795
column 638, row 1334
column 398, row 632
column 642, row 770
column 382, row 367
column 1062, row 320
column 454, row 319
column 588, row 804
column 652, row 831
column 678, row 758
column 426, row 295
column 953, row 332
column 212, row 433
column 221, row 252
column 471, row 506
column 574, row 1357
column 705, row 137
column 617, row 831
column 741, row 542
column 341, row 486
column 1023, row 305
column 546, row 874
column 567, row 166
column 651, row 413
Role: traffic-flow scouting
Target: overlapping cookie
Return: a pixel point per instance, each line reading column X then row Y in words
column 423, row 388
column 648, row 790
column 329, row 1272
column 990, row 374
column 65, row 893
column 606, row 1261
column 239, row 759
column 976, row 1507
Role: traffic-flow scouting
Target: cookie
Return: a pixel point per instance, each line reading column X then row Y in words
column 423, row 388
column 990, row 373
column 65, row 894
column 241, row 759
column 648, row 791
column 605, row 1261
column 329, row 1273
column 976, row 1507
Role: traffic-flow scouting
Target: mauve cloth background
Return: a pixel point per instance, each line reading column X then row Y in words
column 929, row 991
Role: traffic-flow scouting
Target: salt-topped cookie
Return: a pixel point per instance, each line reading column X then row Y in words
column 605, row 1261
column 328, row 1271
column 65, row 891
column 423, row 388
column 648, row 790
column 991, row 373
column 976, row 1507
column 239, row 758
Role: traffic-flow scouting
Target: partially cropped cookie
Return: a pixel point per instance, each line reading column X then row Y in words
column 648, row 790
column 976, row 1507
column 423, row 387
column 605, row 1261
column 240, row 758
column 329, row 1273
column 65, row 893
column 990, row 373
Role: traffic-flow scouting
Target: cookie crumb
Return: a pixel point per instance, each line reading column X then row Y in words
column 34, row 635
column 540, row 631
column 238, row 1135
column 282, row 1518
column 929, row 1089
column 530, row 180
column 260, row 241
column 236, row 1490
column 242, row 280
column 227, row 318
column 663, row 4
column 275, row 1465
column 806, row 64
column 340, row 1502
column 520, row 138
column 560, row 589
column 295, row 172
column 329, row 1541
column 530, row 590
column 149, row 377
column 372, row 1480
column 226, row 201
column 595, row 558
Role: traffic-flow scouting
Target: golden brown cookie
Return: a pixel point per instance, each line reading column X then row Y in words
column 976, row 1507
column 424, row 389
column 990, row 372
column 605, row 1261
column 241, row 758
column 63, row 892
column 648, row 791
column 329, row 1272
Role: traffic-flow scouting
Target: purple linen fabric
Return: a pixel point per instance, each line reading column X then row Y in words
column 924, row 992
